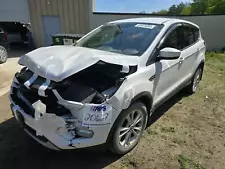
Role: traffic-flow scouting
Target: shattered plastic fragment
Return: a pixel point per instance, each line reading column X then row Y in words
column 30, row 81
column 125, row 69
column 43, row 87
column 40, row 110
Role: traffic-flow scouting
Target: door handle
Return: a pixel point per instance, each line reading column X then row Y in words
column 181, row 60
column 198, row 50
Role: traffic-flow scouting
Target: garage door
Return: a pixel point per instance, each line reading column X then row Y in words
column 51, row 26
column 14, row 11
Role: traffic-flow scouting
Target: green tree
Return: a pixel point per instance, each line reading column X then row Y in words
column 199, row 7
column 216, row 7
column 172, row 10
column 186, row 10
column 180, row 8
column 196, row 7
column 162, row 12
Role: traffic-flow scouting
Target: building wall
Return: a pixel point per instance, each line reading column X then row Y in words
column 74, row 16
column 212, row 26
column 14, row 11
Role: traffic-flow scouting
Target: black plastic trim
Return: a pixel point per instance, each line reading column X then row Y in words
column 171, row 58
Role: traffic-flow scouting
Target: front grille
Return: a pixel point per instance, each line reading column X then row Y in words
column 27, row 107
column 26, row 97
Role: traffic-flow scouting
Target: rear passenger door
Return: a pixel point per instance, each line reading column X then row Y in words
column 189, row 51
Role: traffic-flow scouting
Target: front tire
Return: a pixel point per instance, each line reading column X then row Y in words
column 3, row 54
column 128, row 128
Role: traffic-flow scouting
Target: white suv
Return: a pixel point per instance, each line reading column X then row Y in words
column 104, row 88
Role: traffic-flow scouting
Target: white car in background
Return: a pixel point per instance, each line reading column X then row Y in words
column 104, row 88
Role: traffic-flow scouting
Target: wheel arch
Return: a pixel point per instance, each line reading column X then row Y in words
column 201, row 65
column 146, row 98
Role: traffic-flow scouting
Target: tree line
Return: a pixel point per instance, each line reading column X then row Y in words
column 196, row 7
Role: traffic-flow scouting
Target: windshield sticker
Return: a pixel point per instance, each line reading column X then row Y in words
column 145, row 26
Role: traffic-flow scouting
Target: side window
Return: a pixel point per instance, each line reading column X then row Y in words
column 196, row 32
column 189, row 37
column 173, row 40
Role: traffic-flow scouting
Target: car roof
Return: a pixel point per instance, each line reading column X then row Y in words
column 155, row 20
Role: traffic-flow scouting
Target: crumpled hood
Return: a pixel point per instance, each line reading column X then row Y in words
column 59, row 62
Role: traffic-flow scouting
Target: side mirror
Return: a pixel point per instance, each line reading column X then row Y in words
column 169, row 54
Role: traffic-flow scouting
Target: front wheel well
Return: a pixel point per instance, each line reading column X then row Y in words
column 146, row 99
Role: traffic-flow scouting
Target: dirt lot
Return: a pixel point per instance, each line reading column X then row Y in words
column 8, row 69
column 188, row 132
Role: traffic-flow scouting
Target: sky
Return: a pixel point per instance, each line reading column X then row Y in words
column 135, row 6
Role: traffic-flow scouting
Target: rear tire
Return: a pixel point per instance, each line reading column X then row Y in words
column 3, row 54
column 193, row 86
column 128, row 129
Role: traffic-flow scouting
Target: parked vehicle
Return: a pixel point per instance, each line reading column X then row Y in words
column 4, row 46
column 105, row 88
column 13, row 35
column 16, row 32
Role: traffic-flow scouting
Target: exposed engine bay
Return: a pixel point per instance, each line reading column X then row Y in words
column 91, row 86
column 94, row 85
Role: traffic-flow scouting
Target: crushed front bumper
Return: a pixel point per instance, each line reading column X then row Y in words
column 63, row 132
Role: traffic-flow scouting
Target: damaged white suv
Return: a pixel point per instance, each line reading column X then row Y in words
column 104, row 88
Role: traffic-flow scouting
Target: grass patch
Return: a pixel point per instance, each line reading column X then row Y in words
column 215, row 56
column 187, row 163
column 132, row 162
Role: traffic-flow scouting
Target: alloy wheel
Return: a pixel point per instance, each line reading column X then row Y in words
column 197, row 79
column 131, row 128
column 3, row 54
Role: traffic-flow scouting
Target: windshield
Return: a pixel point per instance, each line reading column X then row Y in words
column 124, row 38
